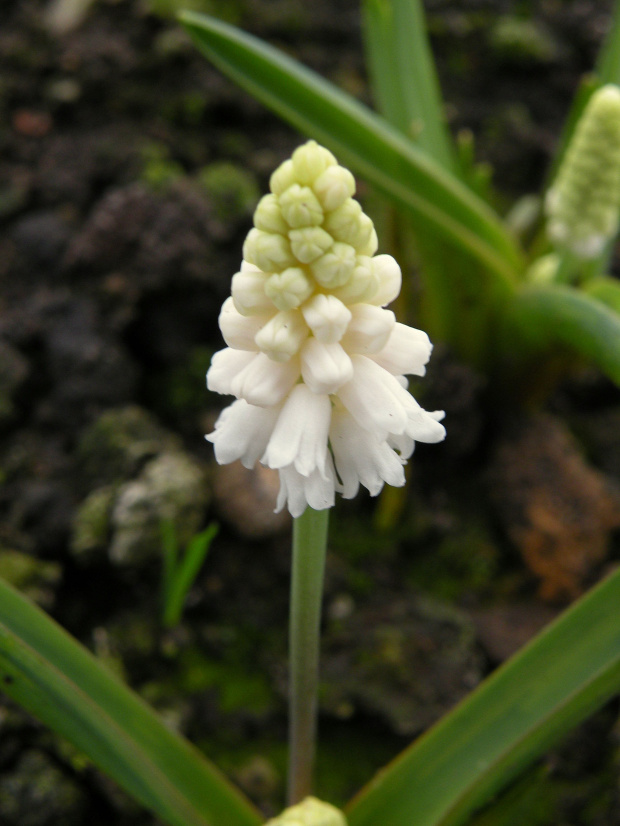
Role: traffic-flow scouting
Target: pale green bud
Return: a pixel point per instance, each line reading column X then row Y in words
column 268, row 251
column 309, row 243
column 310, row 812
column 300, row 207
column 310, row 160
column 334, row 186
column 543, row 270
column 363, row 284
column 342, row 223
column 327, row 317
column 371, row 246
column 288, row 289
column 349, row 224
column 239, row 330
column 282, row 178
column 582, row 205
column 268, row 215
column 389, row 275
column 282, row 335
column 365, row 241
column 248, row 292
column 335, row 267
column 369, row 329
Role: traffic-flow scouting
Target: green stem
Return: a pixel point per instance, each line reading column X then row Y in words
column 309, row 544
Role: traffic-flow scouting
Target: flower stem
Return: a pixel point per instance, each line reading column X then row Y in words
column 309, row 544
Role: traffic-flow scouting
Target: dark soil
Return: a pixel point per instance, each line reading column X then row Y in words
column 129, row 170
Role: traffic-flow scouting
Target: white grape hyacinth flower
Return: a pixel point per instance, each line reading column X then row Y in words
column 316, row 362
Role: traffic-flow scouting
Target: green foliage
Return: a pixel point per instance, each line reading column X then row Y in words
column 53, row 677
column 180, row 570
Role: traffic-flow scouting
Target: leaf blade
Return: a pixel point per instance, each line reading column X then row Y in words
column 561, row 314
column 59, row 681
column 512, row 718
column 403, row 74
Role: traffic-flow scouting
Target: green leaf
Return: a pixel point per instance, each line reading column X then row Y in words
column 361, row 140
column 604, row 289
column 552, row 314
column 57, row 680
column 184, row 575
column 403, row 75
column 564, row 674
column 170, row 554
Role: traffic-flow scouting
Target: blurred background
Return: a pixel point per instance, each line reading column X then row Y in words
column 129, row 171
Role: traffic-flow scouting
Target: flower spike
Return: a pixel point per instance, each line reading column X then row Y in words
column 310, row 812
column 582, row 205
column 315, row 360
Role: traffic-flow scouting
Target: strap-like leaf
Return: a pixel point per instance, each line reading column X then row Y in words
column 563, row 675
column 361, row 140
column 403, row 75
column 604, row 289
column 57, row 680
column 549, row 314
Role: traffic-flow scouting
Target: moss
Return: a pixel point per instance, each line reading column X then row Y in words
column 465, row 561
column 236, row 685
column 119, row 442
column 91, row 524
column 33, row 577
column 232, row 190
column 159, row 171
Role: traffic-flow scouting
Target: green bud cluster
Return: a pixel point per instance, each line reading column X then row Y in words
column 582, row 205
column 310, row 812
column 309, row 235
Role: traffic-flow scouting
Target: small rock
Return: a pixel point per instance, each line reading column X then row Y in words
column 247, row 498
column 408, row 661
column 558, row 511
column 170, row 487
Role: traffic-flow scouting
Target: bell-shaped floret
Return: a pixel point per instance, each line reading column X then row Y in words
column 282, row 335
column 310, row 160
column 239, row 330
column 325, row 367
column 390, row 279
column 334, row 186
column 335, row 267
column 327, row 317
column 282, row 177
column 369, row 329
column 289, row 289
column 300, row 207
column 300, row 435
column 248, row 291
column 406, row 351
column 309, row 243
column 268, row 215
column 268, row 251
